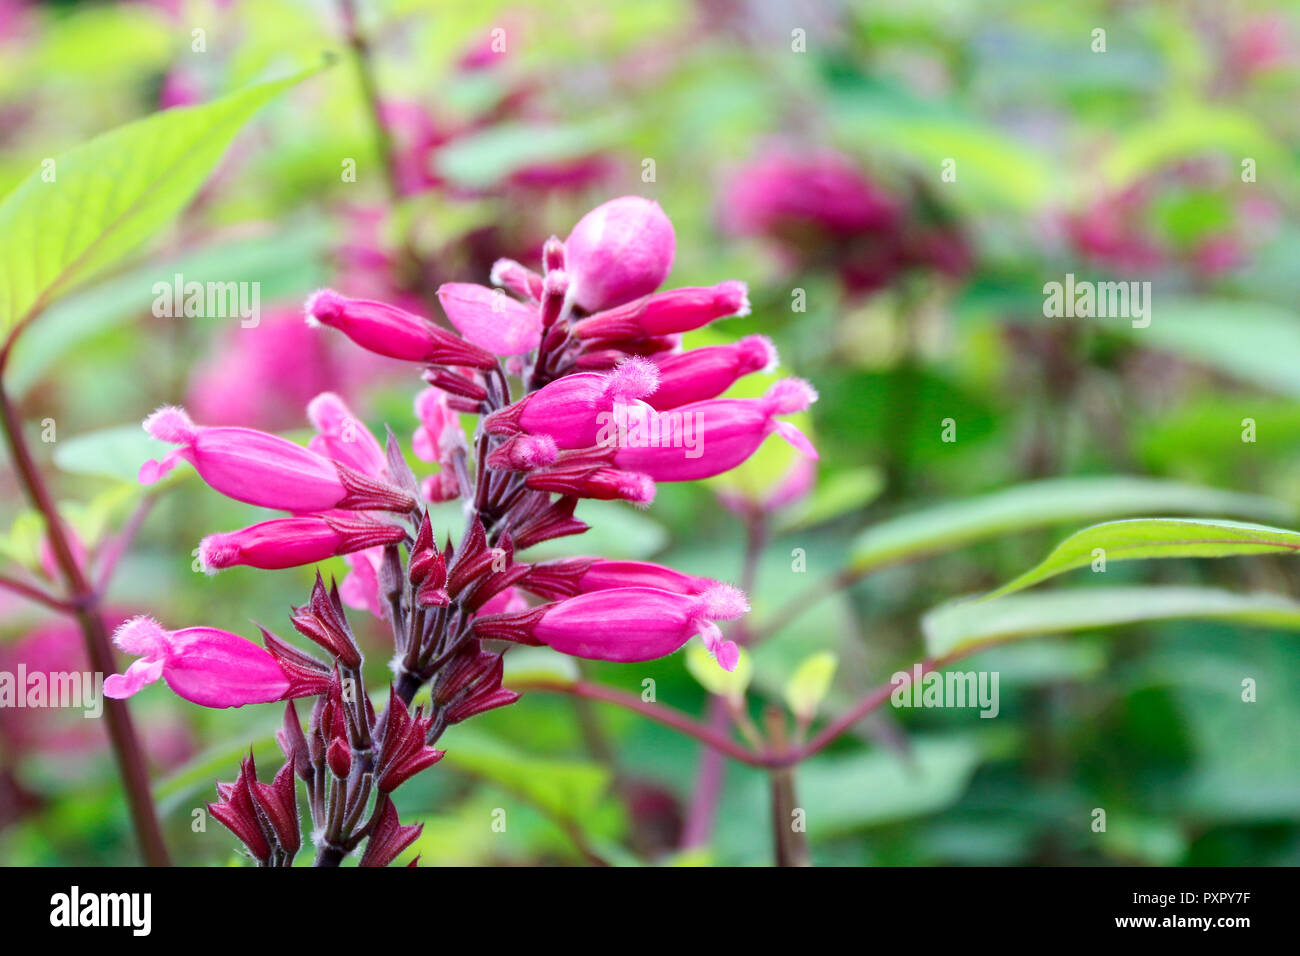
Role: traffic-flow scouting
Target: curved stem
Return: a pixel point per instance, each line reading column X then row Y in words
column 33, row 593
column 84, row 601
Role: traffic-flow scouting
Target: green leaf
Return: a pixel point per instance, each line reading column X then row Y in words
column 842, row 794
column 487, row 158
column 810, row 683
column 563, row 789
column 970, row 624
column 1255, row 342
column 1043, row 504
column 1156, row 538
column 729, row 684
column 116, row 452
column 109, row 195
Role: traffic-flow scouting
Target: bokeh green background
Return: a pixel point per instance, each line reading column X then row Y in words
column 1146, row 722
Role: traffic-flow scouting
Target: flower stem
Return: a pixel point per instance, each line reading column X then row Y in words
column 85, row 602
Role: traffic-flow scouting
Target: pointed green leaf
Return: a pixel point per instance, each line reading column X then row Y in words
column 969, row 625
column 1044, row 504
column 1156, row 538
column 101, row 199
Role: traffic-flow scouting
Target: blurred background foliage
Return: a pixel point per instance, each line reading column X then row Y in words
column 1121, row 164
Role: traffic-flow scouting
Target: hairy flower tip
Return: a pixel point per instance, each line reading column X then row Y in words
column 722, row 602
column 323, row 305
column 757, row 354
column 327, row 412
column 733, row 296
column 635, row 487
column 532, row 451
column 140, row 635
column 217, row 551
column 633, row 378
column 791, row 395
column 172, row 425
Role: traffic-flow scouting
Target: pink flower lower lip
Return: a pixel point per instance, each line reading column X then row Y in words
column 204, row 665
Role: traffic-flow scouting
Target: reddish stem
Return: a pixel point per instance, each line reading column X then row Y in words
column 84, row 604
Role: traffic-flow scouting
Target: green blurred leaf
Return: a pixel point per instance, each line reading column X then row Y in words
column 1042, row 504
column 491, row 156
column 810, row 683
column 1156, row 538
column 116, row 452
column 1254, row 342
column 842, row 794
column 969, row 624
column 564, row 789
column 109, row 195
column 729, row 684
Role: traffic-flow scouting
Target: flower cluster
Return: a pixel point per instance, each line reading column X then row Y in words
column 585, row 337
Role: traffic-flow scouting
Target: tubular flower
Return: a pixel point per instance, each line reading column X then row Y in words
column 292, row 542
column 568, row 409
column 342, row 437
column 665, row 313
column 388, row 330
column 569, row 576
column 625, row 624
column 262, row 469
column 202, row 664
column 707, row 372
column 726, row 431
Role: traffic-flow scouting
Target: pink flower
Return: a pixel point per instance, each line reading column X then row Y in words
column 726, row 432
column 625, row 624
column 569, row 576
column 678, row 310
column 491, row 319
column 292, row 542
column 387, row 330
column 245, row 464
column 202, row 664
column 621, row 250
column 785, row 192
column 708, row 372
column 568, row 409
column 360, row 587
column 343, row 438
column 439, row 433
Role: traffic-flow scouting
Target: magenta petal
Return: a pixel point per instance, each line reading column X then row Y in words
column 795, row 437
column 491, row 319
column 218, row 669
column 140, row 674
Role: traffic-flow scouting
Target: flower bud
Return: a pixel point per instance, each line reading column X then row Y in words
column 387, row 330
column 292, row 542
column 679, row 310
column 621, row 250
column 708, row 372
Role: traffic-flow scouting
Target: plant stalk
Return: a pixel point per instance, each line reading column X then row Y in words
column 84, row 601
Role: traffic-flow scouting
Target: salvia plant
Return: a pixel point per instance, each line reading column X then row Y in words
column 579, row 391
column 573, row 374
